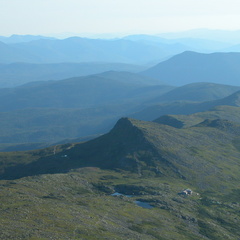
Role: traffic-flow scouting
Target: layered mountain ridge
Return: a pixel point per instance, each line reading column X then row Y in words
column 150, row 113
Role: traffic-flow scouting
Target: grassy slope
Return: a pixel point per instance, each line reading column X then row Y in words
column 78, row 205
column 161, row 161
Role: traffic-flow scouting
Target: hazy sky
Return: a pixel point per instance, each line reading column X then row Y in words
column 116, row 16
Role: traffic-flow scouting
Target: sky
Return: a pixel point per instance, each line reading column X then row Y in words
column 49, row 17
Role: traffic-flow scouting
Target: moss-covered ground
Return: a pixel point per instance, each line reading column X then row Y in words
column 79, row 205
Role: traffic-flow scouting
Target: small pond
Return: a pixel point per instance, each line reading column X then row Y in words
column 143, row 204
column 139, row 203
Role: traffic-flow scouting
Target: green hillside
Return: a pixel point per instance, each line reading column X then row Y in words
column 64, row 192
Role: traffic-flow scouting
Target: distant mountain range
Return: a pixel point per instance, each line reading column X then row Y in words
column 22, row 38
column 197, row 92
column 181, row 69
column 15, row 74
column 90, row 100
column 189, row 67
column 77, row 49
column 51, row 111
column 203, row 45
column 133, row 49
column 82, row 92
column 10, row 54
column 41, row 113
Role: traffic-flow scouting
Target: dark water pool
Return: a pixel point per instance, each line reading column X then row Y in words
column 143, row 204
column 139, row 203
